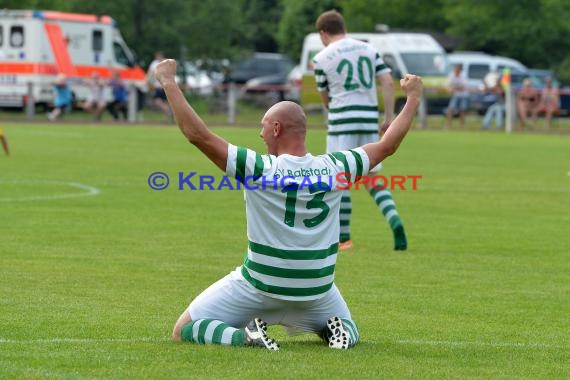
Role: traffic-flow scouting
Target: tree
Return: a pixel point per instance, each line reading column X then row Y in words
column 534, row 31
column 298, row 20
column 146, row 26
column 259, row 20
column 60, row 5
column 363, row 15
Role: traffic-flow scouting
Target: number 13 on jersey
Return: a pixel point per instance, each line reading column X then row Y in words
column 315, row 202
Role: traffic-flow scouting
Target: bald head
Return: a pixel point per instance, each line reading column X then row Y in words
column 290, row 115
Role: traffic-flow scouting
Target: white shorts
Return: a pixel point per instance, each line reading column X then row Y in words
column 236, row 302
column 336, row 143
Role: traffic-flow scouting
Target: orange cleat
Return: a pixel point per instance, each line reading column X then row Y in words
column 345, row 245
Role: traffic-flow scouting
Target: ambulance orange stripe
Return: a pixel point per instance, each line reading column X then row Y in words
column 18, row 68
column 30, row 68
column 59, row 49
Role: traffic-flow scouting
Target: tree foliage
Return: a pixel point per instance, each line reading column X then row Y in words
column 536, row 32
column 298, row 19
column 174, row 27
column 363, row 15
column 260, row 20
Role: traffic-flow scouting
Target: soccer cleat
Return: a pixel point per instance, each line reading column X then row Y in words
column 400, row 242
column 337, row 336
column 344, row 245
column 256, row 335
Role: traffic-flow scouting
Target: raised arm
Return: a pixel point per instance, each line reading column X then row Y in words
column 191, row 125
column 391, row 140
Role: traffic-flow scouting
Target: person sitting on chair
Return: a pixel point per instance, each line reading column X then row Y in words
column 63, row 98
column 549, row 103
column 96, row 102
column 527, row 100
column 119, row 105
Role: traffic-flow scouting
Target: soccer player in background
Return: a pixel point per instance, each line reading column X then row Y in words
column 287, row 277
column 346, row 71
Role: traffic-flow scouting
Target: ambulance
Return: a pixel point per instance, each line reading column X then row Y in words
column 37, row 46
column 404, row 53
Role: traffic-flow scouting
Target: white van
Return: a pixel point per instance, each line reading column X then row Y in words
column 404, row 53
column 476, row 65
column 36, row 46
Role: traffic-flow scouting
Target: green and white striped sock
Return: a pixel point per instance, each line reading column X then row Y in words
column 345, row 211
column 212, row 331
column 387, row 206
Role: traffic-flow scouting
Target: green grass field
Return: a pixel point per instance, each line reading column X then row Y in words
column 96, row 266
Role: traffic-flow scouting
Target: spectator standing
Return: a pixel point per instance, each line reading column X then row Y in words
column 457, row 85
column 497, row 109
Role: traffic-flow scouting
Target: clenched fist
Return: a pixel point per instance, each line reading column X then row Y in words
column 165, row 71
column 412, row 85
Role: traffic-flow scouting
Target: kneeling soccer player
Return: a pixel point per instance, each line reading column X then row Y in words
column 293, row 230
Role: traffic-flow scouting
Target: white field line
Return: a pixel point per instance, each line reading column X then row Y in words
column 482, row 344
column 87, row 190
column 84, row 340
column 445, row 343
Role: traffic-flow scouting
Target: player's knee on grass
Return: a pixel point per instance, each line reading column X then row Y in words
column 182, row 321
column 177, row 333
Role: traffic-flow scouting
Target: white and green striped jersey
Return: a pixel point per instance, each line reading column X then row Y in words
column 347, row 70
column 293, row 218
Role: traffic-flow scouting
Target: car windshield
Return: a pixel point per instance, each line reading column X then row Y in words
column 426, row 64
